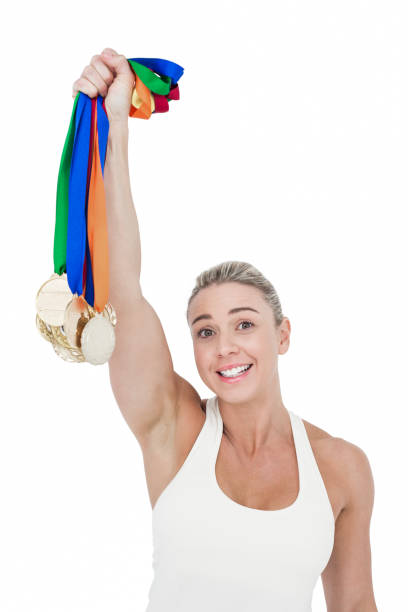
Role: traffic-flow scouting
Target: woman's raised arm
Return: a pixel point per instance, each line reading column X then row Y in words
column 141, row 371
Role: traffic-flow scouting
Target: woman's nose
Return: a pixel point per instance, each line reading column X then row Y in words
column 226, row 345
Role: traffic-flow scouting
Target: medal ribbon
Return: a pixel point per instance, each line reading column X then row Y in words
column 81, row 233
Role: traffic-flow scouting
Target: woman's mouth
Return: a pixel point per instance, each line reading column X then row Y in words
column 231, row 378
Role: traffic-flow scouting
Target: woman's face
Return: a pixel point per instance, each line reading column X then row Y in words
column 223, row 338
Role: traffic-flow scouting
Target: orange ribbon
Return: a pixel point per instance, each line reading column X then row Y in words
column 97, row 226
column 143, row 98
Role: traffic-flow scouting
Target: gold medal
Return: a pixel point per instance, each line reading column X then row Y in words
column 63, row 317
column 77, row 314
column 66, row 353
column 63, row 347
column 52, row 299
column 43, row 328
column 98, row 340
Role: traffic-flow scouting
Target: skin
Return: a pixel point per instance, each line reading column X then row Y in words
column 257, row 434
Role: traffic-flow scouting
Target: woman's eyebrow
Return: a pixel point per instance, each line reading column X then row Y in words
column 232, row 311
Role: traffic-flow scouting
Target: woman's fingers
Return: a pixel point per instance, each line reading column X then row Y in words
column 95, row 79
column 102, row 69
column 84, row 85
column 93, row 76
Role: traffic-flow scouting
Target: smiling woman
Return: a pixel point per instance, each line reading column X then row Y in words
column 251, row 466
column 251, row 504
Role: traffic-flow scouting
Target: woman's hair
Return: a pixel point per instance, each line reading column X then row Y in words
column 239, row 272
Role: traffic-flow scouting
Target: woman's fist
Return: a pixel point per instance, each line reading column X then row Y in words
column 110, row 76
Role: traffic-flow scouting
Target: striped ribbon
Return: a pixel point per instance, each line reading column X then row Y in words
column 81, row 235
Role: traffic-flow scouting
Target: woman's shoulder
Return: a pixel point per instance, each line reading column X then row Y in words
column 342, row 451
column 341, row 448
column 346, row 462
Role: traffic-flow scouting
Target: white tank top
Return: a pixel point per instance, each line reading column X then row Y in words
column 212, row 554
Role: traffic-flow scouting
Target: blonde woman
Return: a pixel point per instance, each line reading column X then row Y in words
column 251, row 504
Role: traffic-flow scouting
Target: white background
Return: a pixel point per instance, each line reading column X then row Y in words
column 287, row 149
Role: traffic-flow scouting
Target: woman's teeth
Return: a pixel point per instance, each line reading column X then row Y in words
column 234, row 371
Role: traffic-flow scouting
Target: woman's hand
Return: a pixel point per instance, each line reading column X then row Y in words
column 110, row 76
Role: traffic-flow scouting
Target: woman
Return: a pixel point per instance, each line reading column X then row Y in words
column 251, row 504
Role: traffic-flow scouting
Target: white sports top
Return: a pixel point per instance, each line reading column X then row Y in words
column 212, row 554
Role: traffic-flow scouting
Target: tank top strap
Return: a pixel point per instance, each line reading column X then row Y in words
column 213, row 426
column 197, row 464
column 309, row 470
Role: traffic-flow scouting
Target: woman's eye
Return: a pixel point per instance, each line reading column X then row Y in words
column 202, row 330
column 205, row 329
column 250, row 322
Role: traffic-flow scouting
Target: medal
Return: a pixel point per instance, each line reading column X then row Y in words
column 52, row 299
column 73, row 312
column 98, row 340
column 67, row 353
column 77, row 315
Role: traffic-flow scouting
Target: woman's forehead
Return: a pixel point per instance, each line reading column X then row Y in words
column 231, row 290
column 222, row 298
